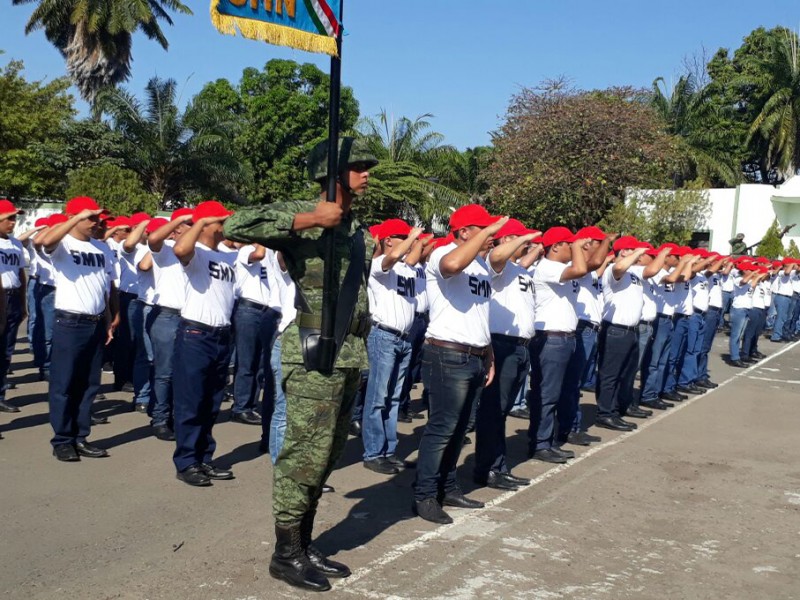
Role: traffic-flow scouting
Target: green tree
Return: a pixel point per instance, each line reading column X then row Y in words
column 115, row 188
column 33, row 116
column 178, row 156
column 465, row 171
column 566, row 156
column 95, row 37
column 283, row 111
column 660, row 216
column 793, row 251
column 771, row 244
column 407, row 180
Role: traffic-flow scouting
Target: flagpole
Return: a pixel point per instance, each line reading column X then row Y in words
column 330, row 284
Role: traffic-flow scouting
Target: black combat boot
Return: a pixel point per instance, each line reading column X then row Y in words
column 329, row 568
column 290, row 563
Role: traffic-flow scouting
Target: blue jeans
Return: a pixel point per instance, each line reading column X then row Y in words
column 74, row 377
column 755, row 325
column 13, row 321
column 521, row 401
column 694, row 345
column 143, row 356
column 655, row 369
column 44, row 307
column 783, row 305
column 677, row 351
column 793, row 326
column 254, row 330
column 124, row 349
column 416, row 336
column 727, row 300
column 198, row 384
column 570, row 417
column 31, row 299
column 455, row 381
column 589, row 378
column 511, row 366
column 163, row 328
column 618, row 358
column 389, row 357
column 551, row 386
column 738, row 323
column 712, row 320
column 645, row 342
column 277, row 426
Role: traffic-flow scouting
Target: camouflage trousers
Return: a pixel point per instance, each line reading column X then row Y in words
column 318, row 409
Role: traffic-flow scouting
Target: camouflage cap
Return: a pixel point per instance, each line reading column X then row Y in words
column 351, row 151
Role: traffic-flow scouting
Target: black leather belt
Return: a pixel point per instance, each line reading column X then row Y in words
column 421, row 315
column 584, row 324
column 47, row 286
column 702, row 313
column 643, row 322
column 481, row 351
column 715, row 308
column 663, row 316
column 511, row 339
column 252, row 304
column 205, row 327
column 403, row 335
column 66, row 315
column 167, row 310
column 678, row 316
column 633, row 328
column 561, row 334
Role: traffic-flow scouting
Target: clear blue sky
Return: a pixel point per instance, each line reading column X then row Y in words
column 460, row 60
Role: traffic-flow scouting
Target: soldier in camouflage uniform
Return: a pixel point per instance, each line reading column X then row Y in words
column 318, row 406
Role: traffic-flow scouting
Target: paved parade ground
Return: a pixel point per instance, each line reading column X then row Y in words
column 702, row 501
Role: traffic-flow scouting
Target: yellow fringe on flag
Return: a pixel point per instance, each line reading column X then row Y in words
column 272, row 33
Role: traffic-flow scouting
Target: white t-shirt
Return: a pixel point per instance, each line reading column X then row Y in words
column 169, row 278
column 555, row 305
column 589, row 298
column 700, row 292
column 652, row 296
column 12, row 259
column 715, row 290
column 727, row 282
column 759, row 296
column 459, row 305
column 624, row 298
column 767, row 287
column 513, row 304
column 30, row 256
column 422, row 289
column 679, row 296
column 287, row 293
column 211, row 286
column 663, row 293
column 83, row 273
column 146, row 288
column 392, row 294
column 129, row 274
column 256, row 281
column 44, row 268
column 782, row 285
column 742, row 294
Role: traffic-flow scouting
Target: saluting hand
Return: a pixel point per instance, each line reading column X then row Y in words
column 88, row 214
column 495, row 227
column 327, row 214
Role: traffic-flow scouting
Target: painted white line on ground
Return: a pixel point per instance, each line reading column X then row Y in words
column 462, row 517
column 771, row 379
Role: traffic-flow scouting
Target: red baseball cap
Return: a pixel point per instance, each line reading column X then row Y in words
column 81, row 203
column 627, row 242
column 701, row 252
column 512, row 227
column 56, row 218
column 471, row 214
column 393, row 227
column 592, row 232
column 375, row 230
column 554, row 235
column 448, row 239
column 6, row 206
column 155, row 223
column 139, row 217
column 180, row 212
column 42, row 221
column 210, row 208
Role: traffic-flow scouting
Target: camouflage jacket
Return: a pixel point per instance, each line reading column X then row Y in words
column 271, row 226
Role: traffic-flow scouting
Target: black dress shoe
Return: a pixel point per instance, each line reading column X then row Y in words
column 164, row 433
column 100, row 397
column 89, row 451
column 568, row 454
column 520, row 413
column 749, row 360
column 637, row 413
column 214, row 473
column 99, row 420
column 758, row 355
column 612, row 423
column 381, row 465
column 496, row 481
column 581, row 438
column 393, row 460
column 355, row 429
column 7, row 408
column 415, row 414
column 467, row 441
column 430, row 510
column 195, row 476
column 655, row 404
column 738, row 364
column 66, row 453
column 689, row 389
column 630, row 424
column 514, row 479
column 671, row 396
column 248, row 417
column 707, row 384
column 140, row 407
column 547, row 455
column 404, row 417
column 328, row 489
column 459, row 500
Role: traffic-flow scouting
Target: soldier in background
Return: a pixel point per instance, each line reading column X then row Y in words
column 738, row 246
column 318, row 405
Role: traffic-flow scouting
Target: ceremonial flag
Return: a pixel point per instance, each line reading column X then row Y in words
column 310, row 25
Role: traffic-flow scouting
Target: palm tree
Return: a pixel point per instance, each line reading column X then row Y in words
column 688, row 113
column 95, row 36
column 407, row 180
column 176, row 155
column 778, row 122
